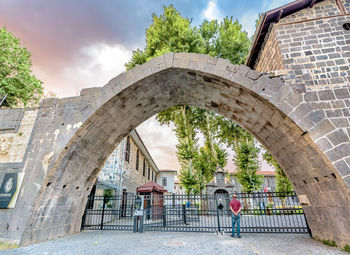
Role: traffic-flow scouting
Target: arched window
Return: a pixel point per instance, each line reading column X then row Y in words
column 137, row 159
column 127, row 150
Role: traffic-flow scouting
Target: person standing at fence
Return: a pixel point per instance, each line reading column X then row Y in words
column 235, row 207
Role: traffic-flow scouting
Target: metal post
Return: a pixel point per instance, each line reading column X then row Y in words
column 184, row 214
column 141, row 224
column 103, row 211
column 164, row 216
column 217, row 214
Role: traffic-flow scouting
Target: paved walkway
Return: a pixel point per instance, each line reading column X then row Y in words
column 164, row 243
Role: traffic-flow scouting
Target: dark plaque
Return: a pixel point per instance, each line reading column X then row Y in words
column 9, row 189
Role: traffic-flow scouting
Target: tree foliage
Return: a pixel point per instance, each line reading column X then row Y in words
column 283, row 185
column 170, row 32
column 247, row 162
column 16, row 78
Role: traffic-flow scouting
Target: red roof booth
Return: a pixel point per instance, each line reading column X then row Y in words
column 153, row 199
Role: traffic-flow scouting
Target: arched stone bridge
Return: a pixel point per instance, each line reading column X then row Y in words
column 71, row 138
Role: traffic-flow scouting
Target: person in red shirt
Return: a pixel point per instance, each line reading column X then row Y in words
column 235, row 207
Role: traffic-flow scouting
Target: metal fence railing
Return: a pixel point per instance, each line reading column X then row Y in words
column 262, row 212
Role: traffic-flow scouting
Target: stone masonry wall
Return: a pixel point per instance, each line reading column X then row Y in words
column 323, row 9
column 134, row 178
column 346, row 4
column 270, row 56
column 316, row 55
column 316, row 52
column 15, row 134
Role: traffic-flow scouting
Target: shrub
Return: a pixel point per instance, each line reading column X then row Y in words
column 329, row 243
column 347, row 248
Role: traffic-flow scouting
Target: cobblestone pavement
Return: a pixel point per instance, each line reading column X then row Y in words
column 163, row 243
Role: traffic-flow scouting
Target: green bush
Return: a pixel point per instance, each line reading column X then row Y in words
column 347, row 248
column 329, row 243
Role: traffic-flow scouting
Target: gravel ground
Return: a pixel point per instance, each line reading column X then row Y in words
column 163, row 243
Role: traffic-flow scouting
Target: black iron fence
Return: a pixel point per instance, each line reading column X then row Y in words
column 262, row 212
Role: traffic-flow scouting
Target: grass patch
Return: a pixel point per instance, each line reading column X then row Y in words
column 329, row 243
column 7, row 246
column 347, row 248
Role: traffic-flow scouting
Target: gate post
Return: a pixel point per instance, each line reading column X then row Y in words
column 184, row 214
column 164, row 216
column 103, row 211
column 217, row 214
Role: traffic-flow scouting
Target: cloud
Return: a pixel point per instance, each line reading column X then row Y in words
column 160, row 142
column 248, row 21
column 212, row 11
column 97, row 65
column 272, row 4
column 93, row 66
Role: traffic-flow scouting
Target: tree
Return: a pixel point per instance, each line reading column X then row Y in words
column 16, row 78
column 283, row 185
column 183, row 119
column 170, row 32
column 247, row 163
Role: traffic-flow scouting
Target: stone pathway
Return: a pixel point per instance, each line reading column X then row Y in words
column 164, row 243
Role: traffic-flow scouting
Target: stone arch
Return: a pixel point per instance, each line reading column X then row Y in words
column 220, row 191
column 261, row 104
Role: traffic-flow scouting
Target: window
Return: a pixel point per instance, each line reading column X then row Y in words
column 137, row 159
column 346, row 26
column 144, row 167
column 164, row 181
column 149, row 171
column 152, row 176
column 127, row 150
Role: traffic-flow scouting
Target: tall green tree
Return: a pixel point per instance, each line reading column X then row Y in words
column 183, row 119
column 170, row 32
column 247, row 162
column 283, row 185
column 16, row 78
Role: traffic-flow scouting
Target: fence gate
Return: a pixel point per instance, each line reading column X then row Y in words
column 262, row 212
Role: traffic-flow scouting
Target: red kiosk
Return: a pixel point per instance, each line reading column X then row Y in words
column 153, row 199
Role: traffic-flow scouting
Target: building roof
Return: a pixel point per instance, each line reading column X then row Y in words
column 151, row 186
column 107, row 184
column 273, row 16
column 264, row 173
column 167, row 170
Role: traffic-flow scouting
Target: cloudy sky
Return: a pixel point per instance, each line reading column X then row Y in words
column 79, row 44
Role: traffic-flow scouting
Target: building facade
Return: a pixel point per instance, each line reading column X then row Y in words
column 166, row 178
column 128, row 167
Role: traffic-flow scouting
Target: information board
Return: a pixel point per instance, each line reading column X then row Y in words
column 9, row 189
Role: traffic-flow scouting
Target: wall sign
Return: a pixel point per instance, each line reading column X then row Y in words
column 9, row 189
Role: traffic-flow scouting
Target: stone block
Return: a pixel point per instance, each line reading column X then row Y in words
column 324, row 144
column 325, row 95
column 342, row 167
column 341, row 93
column 311, row 96
column 321, row 129
column 316, row 116
column 339, row 152
column 337, row 137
